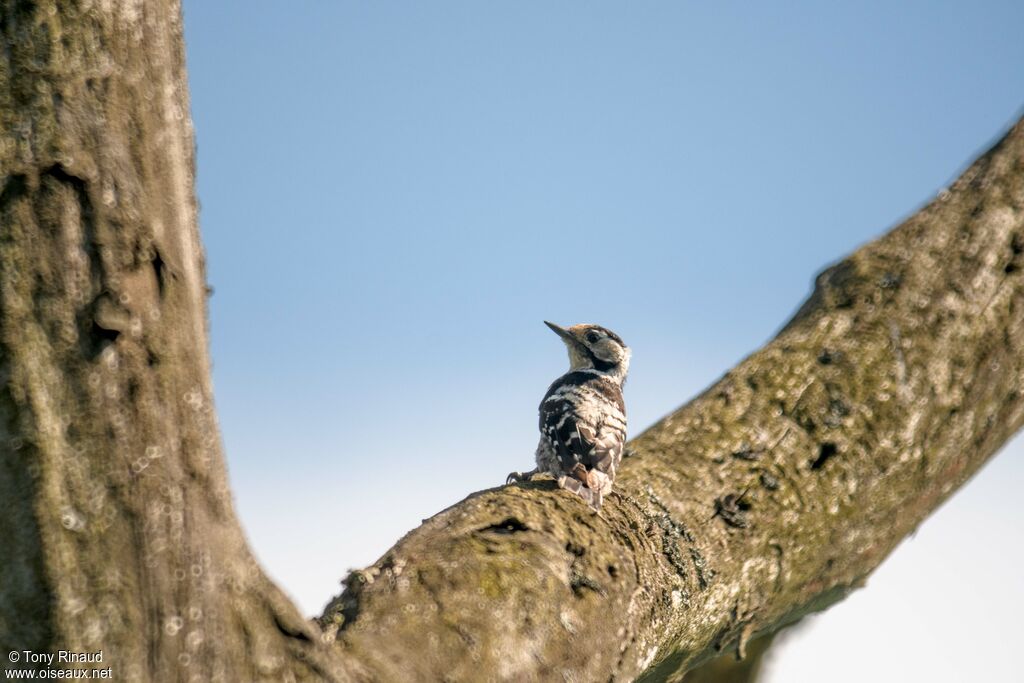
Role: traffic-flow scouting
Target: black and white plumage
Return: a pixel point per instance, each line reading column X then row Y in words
column 583, row 416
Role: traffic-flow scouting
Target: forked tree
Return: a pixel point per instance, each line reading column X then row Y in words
column 771, row 495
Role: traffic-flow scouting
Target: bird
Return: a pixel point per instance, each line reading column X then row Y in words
column 583, row 415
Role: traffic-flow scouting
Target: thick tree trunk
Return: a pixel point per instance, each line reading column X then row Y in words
column 117, row 527
column 772, row 495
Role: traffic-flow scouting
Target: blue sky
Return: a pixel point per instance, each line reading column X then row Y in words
column 395, row 195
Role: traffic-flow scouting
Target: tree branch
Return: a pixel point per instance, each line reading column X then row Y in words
column 773, row 494
column 726, row 668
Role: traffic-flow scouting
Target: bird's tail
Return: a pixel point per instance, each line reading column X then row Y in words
column 592, row 497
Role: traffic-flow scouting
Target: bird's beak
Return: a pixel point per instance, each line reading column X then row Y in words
column 561, row 332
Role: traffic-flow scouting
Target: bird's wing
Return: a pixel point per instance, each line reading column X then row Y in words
column 584, row 426
column 560, row 423
column 603, row 447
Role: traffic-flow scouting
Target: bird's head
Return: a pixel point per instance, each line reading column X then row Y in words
column 593, row 346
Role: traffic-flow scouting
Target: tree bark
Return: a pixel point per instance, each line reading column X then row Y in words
column 731, row 667
column 770, row 496
column 117, row 524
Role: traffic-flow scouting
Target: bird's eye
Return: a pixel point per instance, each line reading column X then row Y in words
column 592, row 337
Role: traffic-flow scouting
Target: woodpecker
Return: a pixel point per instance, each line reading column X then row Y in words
column 583, row 416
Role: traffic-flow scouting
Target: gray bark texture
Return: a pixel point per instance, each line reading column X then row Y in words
column 772, row 495
column 116, row 520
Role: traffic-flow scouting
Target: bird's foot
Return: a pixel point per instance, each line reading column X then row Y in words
column 514, row 477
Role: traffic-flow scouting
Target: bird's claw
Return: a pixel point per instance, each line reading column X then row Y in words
column 514, row 477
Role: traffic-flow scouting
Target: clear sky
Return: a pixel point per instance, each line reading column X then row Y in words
column 395, row 195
